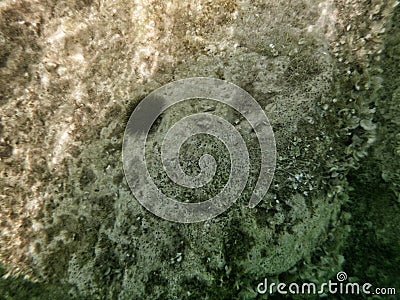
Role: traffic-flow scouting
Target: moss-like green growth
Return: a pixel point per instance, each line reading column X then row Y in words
column 19, row 288
column 66, row 212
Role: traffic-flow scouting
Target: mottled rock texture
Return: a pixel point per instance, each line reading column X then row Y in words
column 72, row 72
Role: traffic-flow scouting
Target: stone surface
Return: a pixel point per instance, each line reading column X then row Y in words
column 71, row 74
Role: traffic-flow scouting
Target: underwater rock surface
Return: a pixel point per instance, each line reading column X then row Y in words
column 71, row 74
